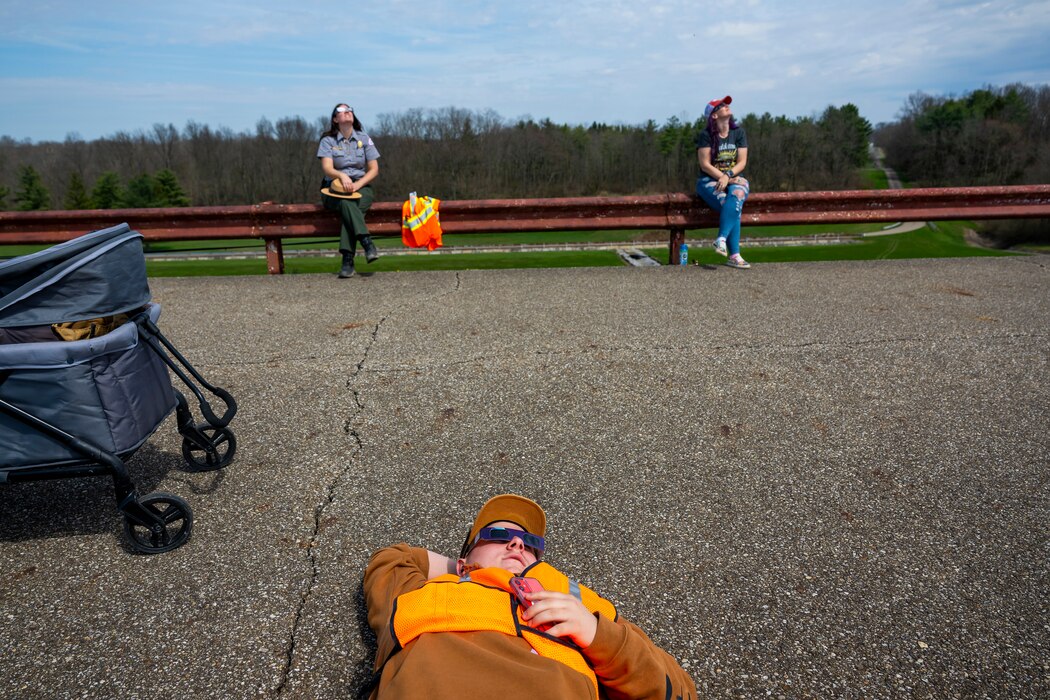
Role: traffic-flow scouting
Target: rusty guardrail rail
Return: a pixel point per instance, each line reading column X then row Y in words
column 671, row 212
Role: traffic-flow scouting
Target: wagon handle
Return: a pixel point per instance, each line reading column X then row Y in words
column 231, row 408
column 149, row 331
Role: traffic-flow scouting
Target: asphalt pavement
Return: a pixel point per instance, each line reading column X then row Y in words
column 823, row 480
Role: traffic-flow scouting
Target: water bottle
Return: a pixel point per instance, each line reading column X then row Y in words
column 683, row 254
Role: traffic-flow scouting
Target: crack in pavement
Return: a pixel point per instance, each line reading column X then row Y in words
column 329, row 497
column 315, row 569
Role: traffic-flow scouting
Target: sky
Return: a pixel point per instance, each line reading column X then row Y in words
column 93, row 69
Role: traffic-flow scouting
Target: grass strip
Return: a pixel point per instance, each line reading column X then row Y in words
column 937, row 240
column 398, row 263
column 875, row 178
column 945, row 239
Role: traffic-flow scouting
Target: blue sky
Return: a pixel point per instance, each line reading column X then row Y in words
column 97, row 68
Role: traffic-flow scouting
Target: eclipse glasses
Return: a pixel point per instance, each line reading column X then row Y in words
column 506, row 534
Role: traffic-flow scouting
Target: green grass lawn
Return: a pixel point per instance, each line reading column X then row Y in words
column 944, row 239
column 939, row 240
column 392, row 263
column 875, row 178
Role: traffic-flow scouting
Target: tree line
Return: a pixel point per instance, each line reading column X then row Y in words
column 449, row 153
column 989, row 136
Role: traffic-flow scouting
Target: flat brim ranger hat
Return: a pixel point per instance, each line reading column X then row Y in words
column 336, row 190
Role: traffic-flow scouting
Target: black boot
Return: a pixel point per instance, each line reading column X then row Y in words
column 370, row 249
column 348, row 266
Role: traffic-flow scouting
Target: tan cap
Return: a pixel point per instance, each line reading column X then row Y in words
column 509, row 508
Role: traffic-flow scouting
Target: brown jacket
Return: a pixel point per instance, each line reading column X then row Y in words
column 485, row 664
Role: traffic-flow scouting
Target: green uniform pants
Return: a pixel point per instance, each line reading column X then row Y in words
column 351, row 216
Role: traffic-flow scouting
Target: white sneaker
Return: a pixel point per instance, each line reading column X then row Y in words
column 720, row 246
column 738, row 262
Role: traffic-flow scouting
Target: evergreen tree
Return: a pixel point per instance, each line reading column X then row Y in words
column 31, row 195
column 857, row 134
column 140, row 192
column 168, row 190
column 107, row 193
column 670, row 135
column 76, row 194
column 3, row 198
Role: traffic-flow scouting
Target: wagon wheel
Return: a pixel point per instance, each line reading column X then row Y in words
column 172, row 530
column 222, row 445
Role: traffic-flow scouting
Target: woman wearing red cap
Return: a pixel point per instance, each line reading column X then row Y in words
column 721, row 149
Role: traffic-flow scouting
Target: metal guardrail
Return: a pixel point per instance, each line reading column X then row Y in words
column 671, row 212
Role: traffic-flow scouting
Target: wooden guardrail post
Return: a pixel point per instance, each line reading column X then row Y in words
column 677, row 238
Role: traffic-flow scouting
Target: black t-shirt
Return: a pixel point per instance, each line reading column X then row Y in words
column 726, row 157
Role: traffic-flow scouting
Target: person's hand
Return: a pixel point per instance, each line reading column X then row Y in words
column 723, row 182
column 568, row 615
column 348, row 184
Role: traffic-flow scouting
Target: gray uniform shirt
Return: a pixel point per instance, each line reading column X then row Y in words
column 349, row 155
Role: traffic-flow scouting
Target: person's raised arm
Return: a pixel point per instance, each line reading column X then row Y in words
column 391, row 572
column 439, row 565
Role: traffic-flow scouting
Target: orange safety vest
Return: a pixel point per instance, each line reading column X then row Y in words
column 420, row 222
column 482, row 600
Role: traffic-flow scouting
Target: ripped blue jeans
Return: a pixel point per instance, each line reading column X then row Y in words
column 728, row 214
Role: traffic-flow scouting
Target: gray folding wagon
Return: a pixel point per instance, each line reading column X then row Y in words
column 84, row 379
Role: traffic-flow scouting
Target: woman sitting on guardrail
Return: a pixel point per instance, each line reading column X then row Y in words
column 722, row 151
column 350, row 162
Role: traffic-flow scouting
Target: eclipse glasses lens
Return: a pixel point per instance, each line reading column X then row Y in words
column 341, row 110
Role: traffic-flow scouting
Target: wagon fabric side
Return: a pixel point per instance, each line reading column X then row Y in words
column 112, row 391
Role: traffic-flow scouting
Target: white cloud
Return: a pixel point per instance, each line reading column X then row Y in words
column 583, row 60
column 743, row 29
